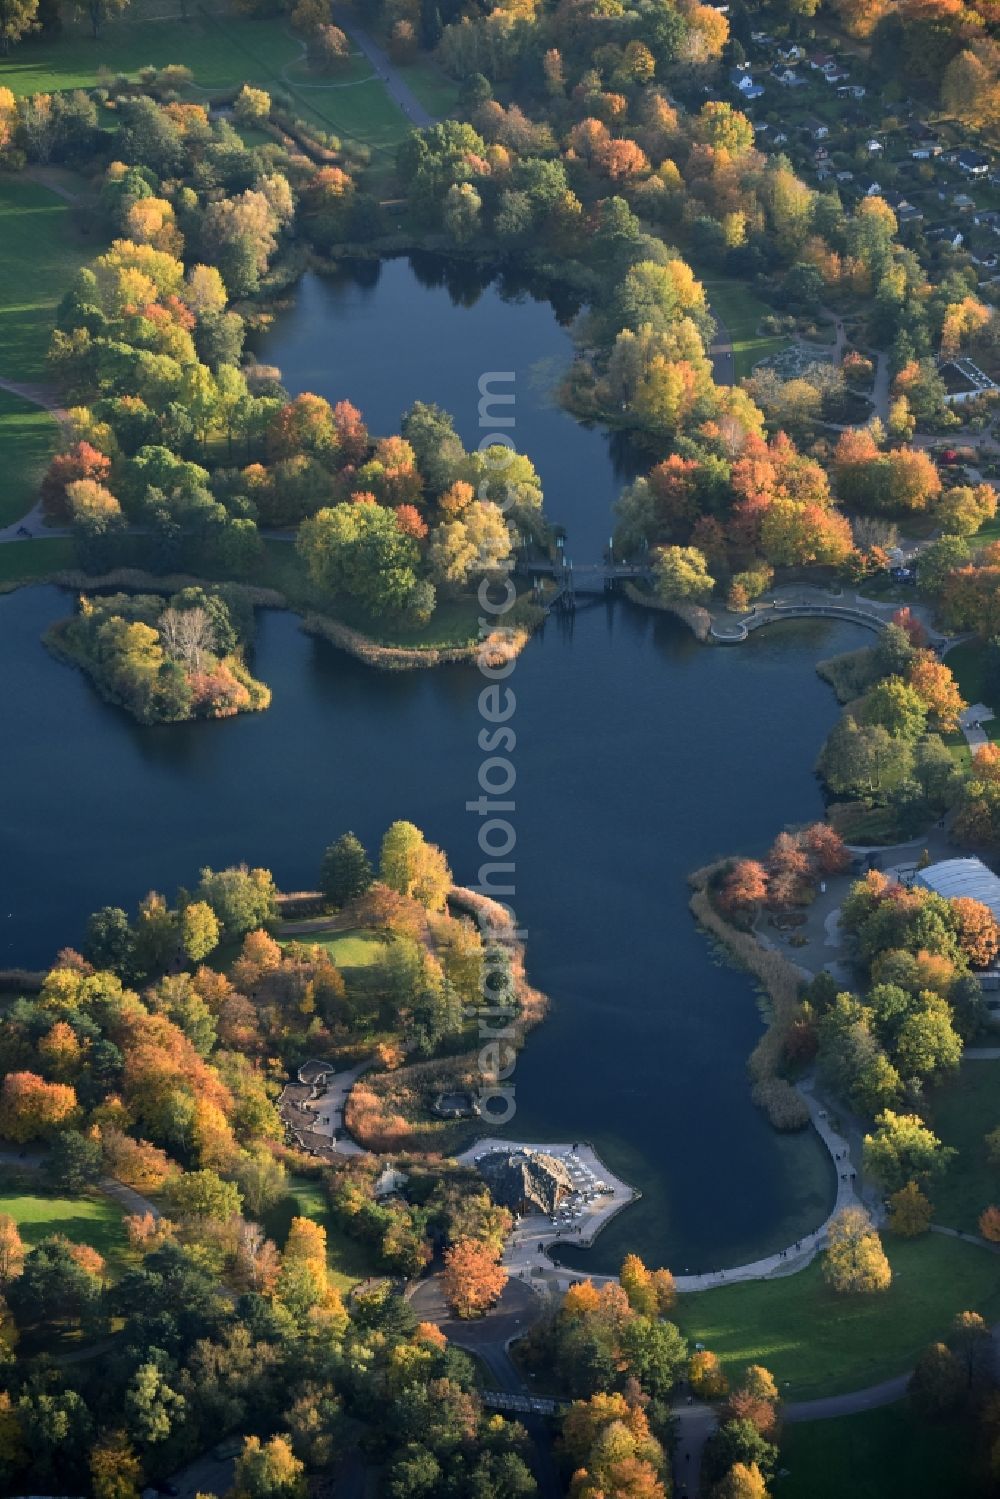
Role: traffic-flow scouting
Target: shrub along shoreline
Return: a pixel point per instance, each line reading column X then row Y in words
column 500, row 645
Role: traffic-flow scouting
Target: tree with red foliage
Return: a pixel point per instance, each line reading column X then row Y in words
column 352, row 434
column 411, row 522
column 304, row 425
column 672, row 484
column 744, row 886
column 826, row 848
column 81, row 461
column 914, row 627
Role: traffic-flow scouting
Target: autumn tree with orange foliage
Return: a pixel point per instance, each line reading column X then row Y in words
column 12, row 1250
column 938, row 690
column 989, row 1224
column 473, row 1277
column 608, row 1443
column 978, row 932
column 744, row 887
column 136, row 1162
column 81, row 461
column 32, row 1109
column 411, row 522
column 978, row 817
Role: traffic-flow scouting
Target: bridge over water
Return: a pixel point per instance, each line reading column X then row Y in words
column 589, row 578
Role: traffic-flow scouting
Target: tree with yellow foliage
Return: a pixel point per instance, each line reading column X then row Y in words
column 268, row 1470
column 706, row 1375
column 855, row 1262
column 115, row 1471
column 414, row 867
column 910, row 1212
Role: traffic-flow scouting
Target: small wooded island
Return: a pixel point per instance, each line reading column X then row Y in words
column 165, row 660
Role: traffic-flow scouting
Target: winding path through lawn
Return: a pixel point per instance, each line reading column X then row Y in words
column 125, row 1196
column 397, row 88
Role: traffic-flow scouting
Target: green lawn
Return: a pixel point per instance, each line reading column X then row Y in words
column 741, row 311
column 349, row 1259
column 882, row 1454
column 222, row 52
column 362, row 112
column 818, row 1343
column 28, row 438
column 346, row 949
column 93, row 1220
column 962, row 1112
column 436, row 92
column 455, row 621
column 26, row 561
column 967, row 661
column 40, row 252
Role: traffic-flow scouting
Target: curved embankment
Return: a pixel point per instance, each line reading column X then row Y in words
column 494, row 650
column 736, row 633
column 695, row 616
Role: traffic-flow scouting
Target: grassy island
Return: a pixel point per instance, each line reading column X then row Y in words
column 164, row 660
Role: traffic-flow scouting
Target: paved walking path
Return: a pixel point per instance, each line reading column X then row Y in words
column 38, row 395
column 795, row 600
column 329, row 1108
column 970, row 721
column 526, row 1251
column 126, row 1197
column 396, row 87
column 722, row 354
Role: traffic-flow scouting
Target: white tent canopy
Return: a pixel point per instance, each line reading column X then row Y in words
column 969, row 877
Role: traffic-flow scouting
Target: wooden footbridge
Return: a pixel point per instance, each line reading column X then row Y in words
column 591, row 578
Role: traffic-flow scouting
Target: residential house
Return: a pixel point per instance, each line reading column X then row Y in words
column 963, row 203
column 972, row 163
column 822, row 62
column 791, row 53
column 789, row 78
column 874, row 147
column 814, row 127
column 780, row 138
column 988, row 218
column 923, row 142
column 946, row 232
column 845, row 176
column 851, row 91
column 742, row 81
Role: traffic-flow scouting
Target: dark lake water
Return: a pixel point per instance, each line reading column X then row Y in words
column 640, row 756
column 386, row 335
